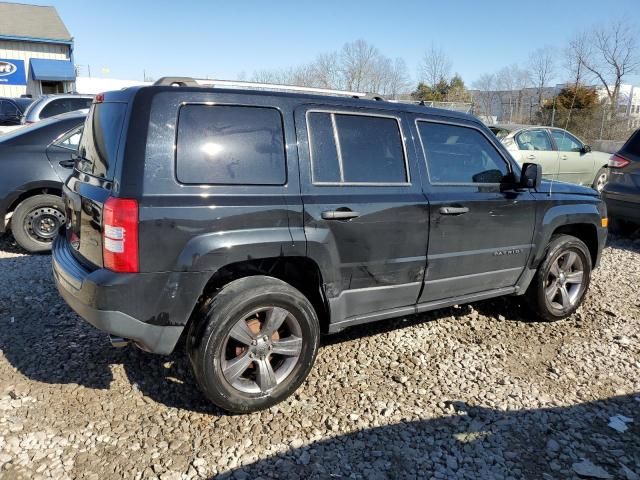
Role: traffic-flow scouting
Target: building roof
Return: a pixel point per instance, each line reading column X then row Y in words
column 32, row 21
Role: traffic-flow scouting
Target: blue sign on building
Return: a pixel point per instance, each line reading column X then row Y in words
column 12, row 72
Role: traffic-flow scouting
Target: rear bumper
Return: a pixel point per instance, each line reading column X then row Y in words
column 149, row 309
column 623, row 206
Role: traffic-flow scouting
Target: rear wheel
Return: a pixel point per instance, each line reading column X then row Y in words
column 602, row 177
column 562, row 279
column 255, row 344
column 36, row 220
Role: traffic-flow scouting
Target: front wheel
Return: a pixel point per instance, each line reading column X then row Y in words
column 255, row 344
column 36, row 220
column 562, row 279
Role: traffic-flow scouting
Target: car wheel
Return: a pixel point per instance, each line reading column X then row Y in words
column 602, row 177
column 36, row 220
column 255, row 344
column 562, row 279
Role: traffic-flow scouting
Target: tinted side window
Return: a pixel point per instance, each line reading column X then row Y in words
column 230, row 145
column 8, row 108
column 534, row 140
column 324, row 154
column 71, row 139
column 55, row 107
column 79, row 103
column 356, row 149
column 566, row 142
column 457, row 154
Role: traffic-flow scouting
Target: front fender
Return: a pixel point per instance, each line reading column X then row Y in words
column 565, row 215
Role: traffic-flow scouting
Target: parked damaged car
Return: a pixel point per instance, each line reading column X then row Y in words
column 562, row 155
column 34, row 161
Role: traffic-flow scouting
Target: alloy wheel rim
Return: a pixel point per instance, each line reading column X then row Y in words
column 42, row 223
column 564, row 281
column 601, row 182
column 261, row 350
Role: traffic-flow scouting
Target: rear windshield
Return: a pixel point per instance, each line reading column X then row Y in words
column 63, row 105
column 632, row 147
column 99, row 143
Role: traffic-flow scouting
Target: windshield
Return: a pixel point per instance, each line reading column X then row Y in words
column 100, row 140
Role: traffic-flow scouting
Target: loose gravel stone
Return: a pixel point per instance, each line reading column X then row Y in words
column 472, row 392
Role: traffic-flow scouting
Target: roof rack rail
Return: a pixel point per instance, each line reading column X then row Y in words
column 207, row 82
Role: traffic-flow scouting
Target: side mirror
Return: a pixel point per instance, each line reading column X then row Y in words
column 585, row 149
column 531, row 176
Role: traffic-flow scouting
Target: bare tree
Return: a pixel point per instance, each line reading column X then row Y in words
column 542, row 70
column 326, row 70
column 398, row 81
column 577, row 54
column 359, row 66
column 358, row 61
column 612, row 57
column 513, row 81
column 435, row 67
column 506, row 83
column 486, row 95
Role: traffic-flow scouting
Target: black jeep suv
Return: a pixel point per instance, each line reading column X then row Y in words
column 250, row 221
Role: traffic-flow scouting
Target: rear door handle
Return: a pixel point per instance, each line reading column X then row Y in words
column 339, row 214
column 453, row 210
column 531, row 156
column 67, row 163
column 563, row 157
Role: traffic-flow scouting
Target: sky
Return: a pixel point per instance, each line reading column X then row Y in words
column 124, row 39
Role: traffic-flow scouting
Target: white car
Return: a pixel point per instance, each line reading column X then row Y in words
column 562, row 155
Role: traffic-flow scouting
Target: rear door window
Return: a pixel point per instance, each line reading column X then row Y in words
column 54, row 107
column 356, row 149
column 537, row 140
column 230, row 145
column 70, row 140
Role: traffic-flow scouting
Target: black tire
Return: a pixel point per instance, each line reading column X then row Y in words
column 601, row 179
column 32, row 220
column 544, row 280
column 209, row 343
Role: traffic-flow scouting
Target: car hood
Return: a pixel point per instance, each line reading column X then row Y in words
column 568, row 188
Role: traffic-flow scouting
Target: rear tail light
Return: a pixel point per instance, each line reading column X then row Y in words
column 616, row 161
column 120, row 234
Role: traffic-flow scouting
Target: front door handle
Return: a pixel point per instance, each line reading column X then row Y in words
column 563, row 157
column 453, row 210
column 339, row 214
column 531, row 156
column 67, row 163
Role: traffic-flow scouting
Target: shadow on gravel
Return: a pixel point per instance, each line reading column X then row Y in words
column 474, row 442
column 630, row 242
column 9, row 245
column 46, row 341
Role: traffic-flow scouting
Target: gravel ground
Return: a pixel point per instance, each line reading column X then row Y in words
column 470, row 392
